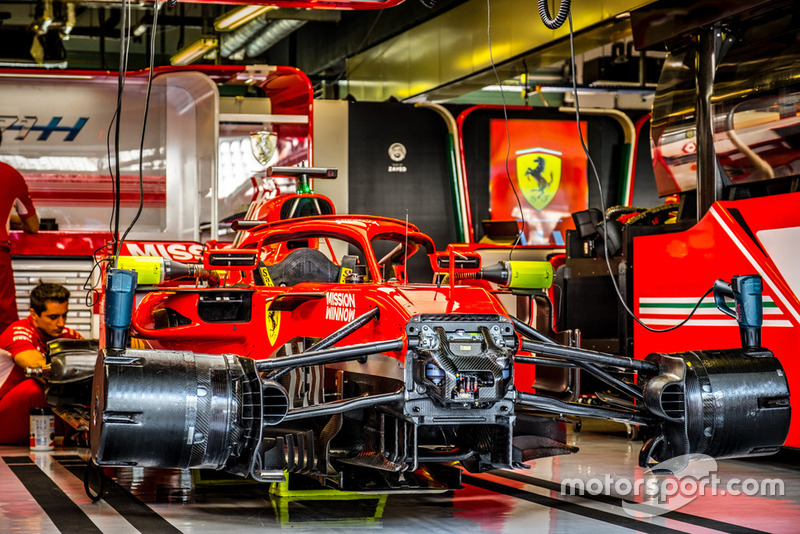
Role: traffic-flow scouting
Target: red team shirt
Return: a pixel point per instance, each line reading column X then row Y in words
column 22, row 335
column 13, row 193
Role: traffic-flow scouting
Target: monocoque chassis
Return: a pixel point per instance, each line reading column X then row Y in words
column 390, row 395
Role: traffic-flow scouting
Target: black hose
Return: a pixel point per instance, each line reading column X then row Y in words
column 92, row 468
column 563, row 13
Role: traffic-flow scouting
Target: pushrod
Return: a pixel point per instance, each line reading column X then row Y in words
column 334, row 337
column 336, row 354
column 341, row 406
column 590, row 356
column 551, row 405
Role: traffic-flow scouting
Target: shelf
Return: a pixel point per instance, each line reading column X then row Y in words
column 258, row 119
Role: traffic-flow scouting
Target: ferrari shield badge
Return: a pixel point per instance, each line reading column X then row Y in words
column 538, row 175
column 273, row 325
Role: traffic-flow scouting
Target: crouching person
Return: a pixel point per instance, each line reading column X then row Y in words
column 24, row 344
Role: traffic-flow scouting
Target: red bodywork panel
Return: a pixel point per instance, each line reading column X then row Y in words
column 316, row 315
column 308, row 309
column 58, row 243
column 672, row 271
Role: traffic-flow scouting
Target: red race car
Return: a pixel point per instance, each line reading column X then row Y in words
column 321, row 345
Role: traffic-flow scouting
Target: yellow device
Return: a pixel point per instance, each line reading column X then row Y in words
column 154, row 270
column 520, row 274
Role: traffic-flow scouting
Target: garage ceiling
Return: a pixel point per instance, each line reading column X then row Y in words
column 419, row 49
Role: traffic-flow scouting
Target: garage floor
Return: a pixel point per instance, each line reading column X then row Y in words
column 44, row 492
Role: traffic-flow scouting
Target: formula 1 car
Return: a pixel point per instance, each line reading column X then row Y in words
column 306, row 348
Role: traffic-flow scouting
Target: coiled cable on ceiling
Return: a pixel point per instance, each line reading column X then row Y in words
column 561, row 17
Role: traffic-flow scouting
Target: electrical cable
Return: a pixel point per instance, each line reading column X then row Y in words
column 520, row 234
column 87, row 485
column 117, row 115
column 116, row 178
column 603, row 201
column 360, row 46
column 144, row 129
column 115, row 174
column 92, row 294
column 110, row 172
column 117, row 111
column 124, row 50
column 564, row 11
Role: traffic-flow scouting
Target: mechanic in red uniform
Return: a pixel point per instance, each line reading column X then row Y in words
column 24, row 344
column 13, row 193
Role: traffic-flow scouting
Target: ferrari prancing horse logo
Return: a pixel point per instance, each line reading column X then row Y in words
column 273, row 325
column 538, row 175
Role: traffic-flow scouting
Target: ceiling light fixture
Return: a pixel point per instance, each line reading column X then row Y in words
column 239, row 16
column 193, row 52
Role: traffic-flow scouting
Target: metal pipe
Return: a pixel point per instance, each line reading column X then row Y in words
column 42, row 24
column 550, row 405
column 337, row 354
column 69, row 22
column 272, row 35
column 341, row 406
column 583, row 355
column 231, row 43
